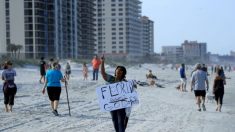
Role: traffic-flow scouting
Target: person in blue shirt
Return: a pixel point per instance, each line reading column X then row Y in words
column 183, row 78
column 9, row 86
column 52, row 82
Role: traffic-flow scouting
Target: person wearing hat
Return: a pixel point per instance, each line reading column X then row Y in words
column 9, row 87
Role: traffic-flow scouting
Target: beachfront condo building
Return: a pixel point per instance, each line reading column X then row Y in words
column 147, row 36
column 172, row 53
column 49, row 28
column 194, row 50
column 118, row 28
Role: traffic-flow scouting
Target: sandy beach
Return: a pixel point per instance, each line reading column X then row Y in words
column 160, row 109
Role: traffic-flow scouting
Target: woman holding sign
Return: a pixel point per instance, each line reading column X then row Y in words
column 119, row 116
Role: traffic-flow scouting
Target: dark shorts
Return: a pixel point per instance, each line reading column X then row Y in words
column 68, row 72
column 54, row 93
column 42, row 72
column 200, row 93
column 9, row 94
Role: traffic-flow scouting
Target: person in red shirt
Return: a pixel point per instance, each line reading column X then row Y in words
column 95, row 64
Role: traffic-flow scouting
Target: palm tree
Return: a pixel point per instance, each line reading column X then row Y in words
column 19, row 48
column 10, row 48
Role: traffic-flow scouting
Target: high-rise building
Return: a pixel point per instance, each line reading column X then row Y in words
column 49, row 28
column 118, row 31
column 147, row 34
column 87, row 16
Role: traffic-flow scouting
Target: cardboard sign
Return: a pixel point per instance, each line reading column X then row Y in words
column 117, row 95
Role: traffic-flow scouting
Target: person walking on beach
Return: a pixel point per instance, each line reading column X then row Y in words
column 95, row 64
column 199, row 78
column 222, row 74
column 9, row 86
column 119, row 117
column 204, row 68
column 51, row 61
column 67, row 70
column 52, row 82
column 42, row 70
column 218, row 89
column 85, row 71
column 183, row 78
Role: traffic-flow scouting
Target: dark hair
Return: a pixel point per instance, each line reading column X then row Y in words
column 55, row 65
column 8, row 63
column 42, row 58
column 4, row 66
column 123, row 69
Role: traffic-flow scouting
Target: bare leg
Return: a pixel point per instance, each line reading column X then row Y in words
column 56, row 103
column 198, row 102
column 52, row 105
column 203, row 104
column 6, row 108
column 182, row 87
column 10, row 108
column 219, row 105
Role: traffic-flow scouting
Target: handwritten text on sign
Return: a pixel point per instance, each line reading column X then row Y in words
column 117, row 96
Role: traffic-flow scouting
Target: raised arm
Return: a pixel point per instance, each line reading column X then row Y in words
column 104, row 75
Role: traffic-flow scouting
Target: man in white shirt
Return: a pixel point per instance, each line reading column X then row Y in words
column 199, row 78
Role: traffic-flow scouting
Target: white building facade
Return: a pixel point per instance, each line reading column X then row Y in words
column 118, row 31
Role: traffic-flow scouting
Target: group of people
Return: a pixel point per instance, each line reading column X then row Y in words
column 44, row 67
column 200, row 85
column 52, row 77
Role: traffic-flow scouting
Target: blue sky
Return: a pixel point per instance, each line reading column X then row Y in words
column 210, row 21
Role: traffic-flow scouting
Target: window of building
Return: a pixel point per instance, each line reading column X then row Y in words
column 120, row 9
column 120, row 33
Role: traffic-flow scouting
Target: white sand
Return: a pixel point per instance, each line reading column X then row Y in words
column 160, row 109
